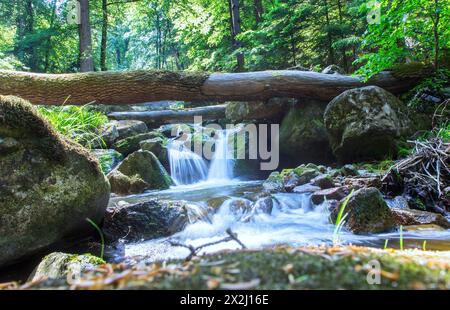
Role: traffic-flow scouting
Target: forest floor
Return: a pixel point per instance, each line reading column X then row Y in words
column 347, row 267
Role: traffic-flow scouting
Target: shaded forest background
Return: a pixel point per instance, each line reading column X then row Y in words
column 222, row 35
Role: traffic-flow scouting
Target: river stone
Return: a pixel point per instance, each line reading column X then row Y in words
column 49, row 184
column 357, row 183
column 303, row 136
column 146, row 220
column 274, row 182
column 108, row 134
column 335, row 193
column 365, row 123
column 59, row 265
column 306, row 188
column 140, row 171
column 129, row 128
column 408, row 217
column 132, row 144
column 367, row 212
column 157, row 147
column 323, row 181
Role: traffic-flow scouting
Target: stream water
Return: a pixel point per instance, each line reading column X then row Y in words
column 293, row 220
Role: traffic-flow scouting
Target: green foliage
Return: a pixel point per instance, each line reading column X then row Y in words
column 340, row 220
column 406, row 32
column 78, row 123
column 100, row 233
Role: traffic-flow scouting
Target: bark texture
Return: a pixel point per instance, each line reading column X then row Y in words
column 144, row 86
column 157, row 118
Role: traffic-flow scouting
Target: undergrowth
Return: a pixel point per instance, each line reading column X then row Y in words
column 76, row 122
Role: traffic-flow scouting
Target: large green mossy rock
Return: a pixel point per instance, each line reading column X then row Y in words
column 140, row 171
column 303, row 136
column 49, row 185
column 367, row 212
column 365, row 123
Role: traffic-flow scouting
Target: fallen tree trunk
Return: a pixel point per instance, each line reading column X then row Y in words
column 144, row 86
column 157, row 118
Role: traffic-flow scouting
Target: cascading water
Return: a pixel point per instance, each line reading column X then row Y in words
column 222, row 163
column 186, row 167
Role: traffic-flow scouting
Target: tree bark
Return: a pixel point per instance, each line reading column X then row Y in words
column 157, row 118
column 236, row 30
column 103, row 66
column 145, row 86
column 258, row 10
column 86, row 60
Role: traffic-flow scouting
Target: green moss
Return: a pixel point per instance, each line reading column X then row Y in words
column 296, row 268
column 411, row 70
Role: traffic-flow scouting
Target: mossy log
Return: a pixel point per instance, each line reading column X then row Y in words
column 155, row 119
column 145, row 86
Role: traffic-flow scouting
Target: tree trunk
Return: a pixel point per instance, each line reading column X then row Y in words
column 436, row 34
column 258, row 10
column 145, row 86
column 341, row 18
column 235, row 30
column 103, row 66
column 329, row 38
column 86, row 60
column 155, row 119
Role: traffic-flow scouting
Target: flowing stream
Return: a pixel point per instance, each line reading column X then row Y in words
column 294, row 220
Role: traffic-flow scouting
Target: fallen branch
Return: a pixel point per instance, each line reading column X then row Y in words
column 194, row 250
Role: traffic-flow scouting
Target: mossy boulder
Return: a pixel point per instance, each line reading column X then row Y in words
column 303, row 136
column 60, row 265
column 367, row 212
column 49, row 184
column 138, row 172
column 146, row 220
column 132, row 144
column 158, row 147
column 365, row 124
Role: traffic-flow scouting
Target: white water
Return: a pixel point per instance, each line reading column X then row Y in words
column 222, row 163
column 187, row 167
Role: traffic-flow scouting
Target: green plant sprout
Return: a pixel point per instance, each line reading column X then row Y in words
column 340, row 220
column 102, row 252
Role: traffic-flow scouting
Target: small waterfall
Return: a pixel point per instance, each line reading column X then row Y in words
column 222, row 163
column 186, row 167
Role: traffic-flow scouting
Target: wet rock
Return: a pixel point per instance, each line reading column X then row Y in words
column 108, row 134
column 129, row 128
column 274, row 182
column 263, row 205
column 238, row 206
column 335, row 193
column 291, row 180
column 49, row 185
column 365, row 123
column 306, row 188
column 157, row 147
column 367, row 212
column 303, row 135
column 407, row 217
column 108, row 159
column 146, row 220
column 138, row 172
column 399, row 202
column 333, row 69
column 323, row 181
column 357, row 183
column 132, row 144
column 60, row 265
column 349, row 170
column 306, row 173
